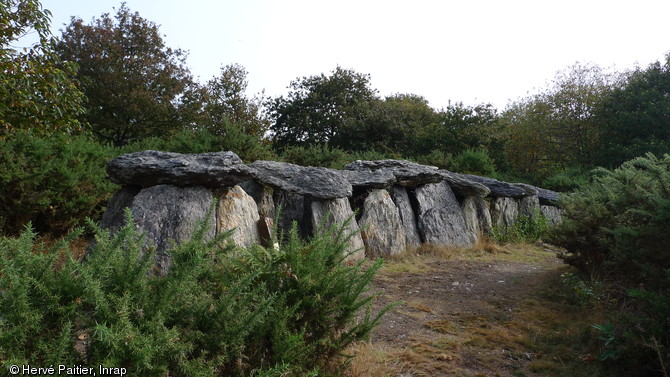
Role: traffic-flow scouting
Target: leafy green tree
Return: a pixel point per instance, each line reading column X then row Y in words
column 136, row 86
column 559, row 126
column 225, row 103
column 322, row 109
column 396, row 122
column 37, row 90
column 637, row 115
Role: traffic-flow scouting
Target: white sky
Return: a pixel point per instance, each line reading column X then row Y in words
column 467, row 50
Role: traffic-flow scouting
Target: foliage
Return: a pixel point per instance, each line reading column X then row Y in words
column 219, row 311
column 136, row 86
column 225, row 103
column 617, row 228
column 37, row 90
column 247, row 146
column 525, row 229
column 54, row 181
column 569, row 179
column 459, row 127
column 637, row 116
column 322, row 109
column 317, row 155
column 559, row 126
column 473, row 161
column 618, row 225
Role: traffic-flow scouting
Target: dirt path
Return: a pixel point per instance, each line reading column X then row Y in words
column 482, row 314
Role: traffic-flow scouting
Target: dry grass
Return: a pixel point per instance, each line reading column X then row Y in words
column 540, row 334
column 374, row 360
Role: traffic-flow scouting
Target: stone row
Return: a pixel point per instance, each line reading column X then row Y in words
column 390, row 205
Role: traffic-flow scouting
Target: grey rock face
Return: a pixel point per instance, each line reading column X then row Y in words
column 499, row 188
column 529, row 206
column 477, row 216
column 464, row 187
column 262, row 196
column 315, row 182
column 440, row 219
column 504, row 211
column 169, row 213
column 367, row 178
column 381, row 226
column 114, row 216
column 293, row 207
column 150, row 168
column 407, row 217
column 546, row 197
column 406, row 173
column 552, row 214
column 327, row 213
column 237, row 210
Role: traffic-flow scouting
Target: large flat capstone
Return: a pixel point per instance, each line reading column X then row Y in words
column 406, row 173
column 314, row 182
column 150, row 168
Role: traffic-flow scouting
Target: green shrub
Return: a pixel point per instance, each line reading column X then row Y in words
column 248, row 147
column 219, row 311
column 473, row 161
column 617, row 228
column 53, row 181
column 436, row 158
column 525, row 229
column 567, row 180
column 317, row 155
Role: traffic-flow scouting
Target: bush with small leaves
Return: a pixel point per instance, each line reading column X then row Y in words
column 220, row 311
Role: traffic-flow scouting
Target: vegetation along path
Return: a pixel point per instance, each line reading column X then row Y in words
column 502, row 312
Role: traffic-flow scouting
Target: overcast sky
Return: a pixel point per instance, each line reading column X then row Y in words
column 465, row 51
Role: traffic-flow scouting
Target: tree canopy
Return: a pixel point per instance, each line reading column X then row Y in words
column 37, row 90
column 136, row 85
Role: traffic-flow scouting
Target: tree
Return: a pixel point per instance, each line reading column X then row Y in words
column 637, row 115
column 559, row 127
column 136, row 86
column 323, row 109
column 37, row 90
column 225, row 103
column 396, row 124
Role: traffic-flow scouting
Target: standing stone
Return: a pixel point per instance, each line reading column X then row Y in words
column 292, row 208
column 114, row 217
column 529, row 206
column 263, row 197
column 504, row 211
column 238, row 211
column 381, row 226
column 338, row 212
column 169, row 213
column 440, row 218
column 407, row 217
column 477, row 216
column 552, row 214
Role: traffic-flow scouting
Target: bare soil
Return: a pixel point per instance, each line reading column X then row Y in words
column 474, row 313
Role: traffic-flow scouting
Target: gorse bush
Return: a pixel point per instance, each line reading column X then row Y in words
column 54, row 181
column 220, row 311
column 617, row 228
